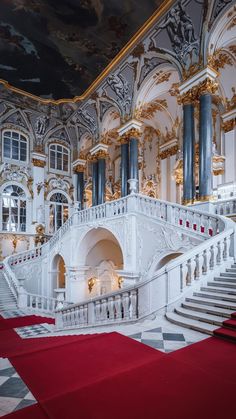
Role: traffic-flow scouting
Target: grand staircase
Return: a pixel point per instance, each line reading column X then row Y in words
column 7, row 298
column 212, row 309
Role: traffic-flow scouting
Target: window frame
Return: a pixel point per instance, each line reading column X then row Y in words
column 19, row 199
column 19, row 140
column 64, row 148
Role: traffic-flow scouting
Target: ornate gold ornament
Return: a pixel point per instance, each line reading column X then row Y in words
column 207, row 86
column 120, row 281
column 169, row 152
column 40, row 235
column 161, row 77
column 91, row 283
column 101, row 154
column 38, row 162
column 30, row 186
column 189, row 97
column 192, row 70
column 174, row 90
column 229, row 125
column 148, row 110
column 79, row 168
column 219, row 59
column 178, row 172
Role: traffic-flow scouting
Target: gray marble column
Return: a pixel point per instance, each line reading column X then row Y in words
column 80, row 188
column 101, row 180
column 133, row 160
column 94, row 183
column 124, row 168
column 205, row 147
column 188, row 154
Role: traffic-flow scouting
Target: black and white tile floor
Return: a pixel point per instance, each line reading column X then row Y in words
column 14, row 394
column 161, row 339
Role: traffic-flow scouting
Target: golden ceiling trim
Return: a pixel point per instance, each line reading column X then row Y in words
column 123, row 52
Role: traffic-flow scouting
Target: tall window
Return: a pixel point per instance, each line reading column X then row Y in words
column 13, row 209
column 59, row 157
column 59, row 211
column 14, row 146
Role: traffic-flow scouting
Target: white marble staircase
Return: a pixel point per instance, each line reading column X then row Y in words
column 7, row 298
column 206, row 310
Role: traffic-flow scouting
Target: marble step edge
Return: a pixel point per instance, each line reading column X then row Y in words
column 204, row 308
column 191, row 323
column 219, row 290
column 222, row 284
column 214, row 296
column 207, row 318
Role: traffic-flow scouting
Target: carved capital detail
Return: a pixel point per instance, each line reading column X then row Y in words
column 38, row 162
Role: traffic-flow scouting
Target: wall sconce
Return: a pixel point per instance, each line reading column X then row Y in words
column 120, row 281
column 91, row 283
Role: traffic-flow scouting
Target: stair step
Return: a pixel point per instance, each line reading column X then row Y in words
column 230, row 274
column 219, row 290
column 190, row 323
column 230, row 323
column 211, row 302
column 225, row 279
column 225, row 334
column 224, row 312
column 231, row 270
column 214, row 296
column 203, row 317
column 222, row 284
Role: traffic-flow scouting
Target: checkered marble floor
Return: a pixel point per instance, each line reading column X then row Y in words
column 35, row 330
column 14, row 394
column 162, row 339
column 9, row 314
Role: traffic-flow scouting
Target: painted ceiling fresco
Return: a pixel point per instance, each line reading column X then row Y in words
column 57, row 48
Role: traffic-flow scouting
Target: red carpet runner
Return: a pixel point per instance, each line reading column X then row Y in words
column 112, row 376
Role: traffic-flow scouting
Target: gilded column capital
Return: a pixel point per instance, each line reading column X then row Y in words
column 189, row 97
column 79, row 165
column 207, row 86
column 229, row 125
column 38, row 162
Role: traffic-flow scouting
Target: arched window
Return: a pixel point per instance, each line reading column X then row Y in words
column 58, row 158
column 13, row 209
column 59, row 211
column 14, row 146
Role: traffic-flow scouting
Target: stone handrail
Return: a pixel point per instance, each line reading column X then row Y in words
column 185, row 218
column 131, row 302
column 225, row 206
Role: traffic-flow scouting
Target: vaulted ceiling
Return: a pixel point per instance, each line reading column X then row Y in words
column 57, row 48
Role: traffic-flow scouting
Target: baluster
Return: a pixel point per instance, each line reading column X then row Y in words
column 97, row 311
column 207, row 258
column 184, row 274
column 103, row 310
column 199, row 265
column 231, row 207
column 191, row 264
column 226, row 247
column 220, row 246
column 118, row 307
column 86, row 314
column 125, row 301
column 81, row 314
column 134, row 300
column 111, row 308
column 76, row 315
column 213, row 260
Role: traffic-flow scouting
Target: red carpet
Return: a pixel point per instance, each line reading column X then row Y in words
column 112, row 376
column 23, row 321
column 224, row 333
column 231, row 323
column 233, row 315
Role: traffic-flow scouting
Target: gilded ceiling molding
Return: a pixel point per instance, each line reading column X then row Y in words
column 229, row 125
column 119, row 57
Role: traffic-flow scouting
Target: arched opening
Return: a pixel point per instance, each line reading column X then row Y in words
column 102, row 255
column 166, row 259
column 58, row 272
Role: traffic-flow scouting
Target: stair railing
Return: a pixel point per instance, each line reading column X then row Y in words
column 136, row 302
column 185, row 218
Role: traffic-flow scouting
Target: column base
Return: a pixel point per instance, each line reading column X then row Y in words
column 205, row 198
column 187, row 201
